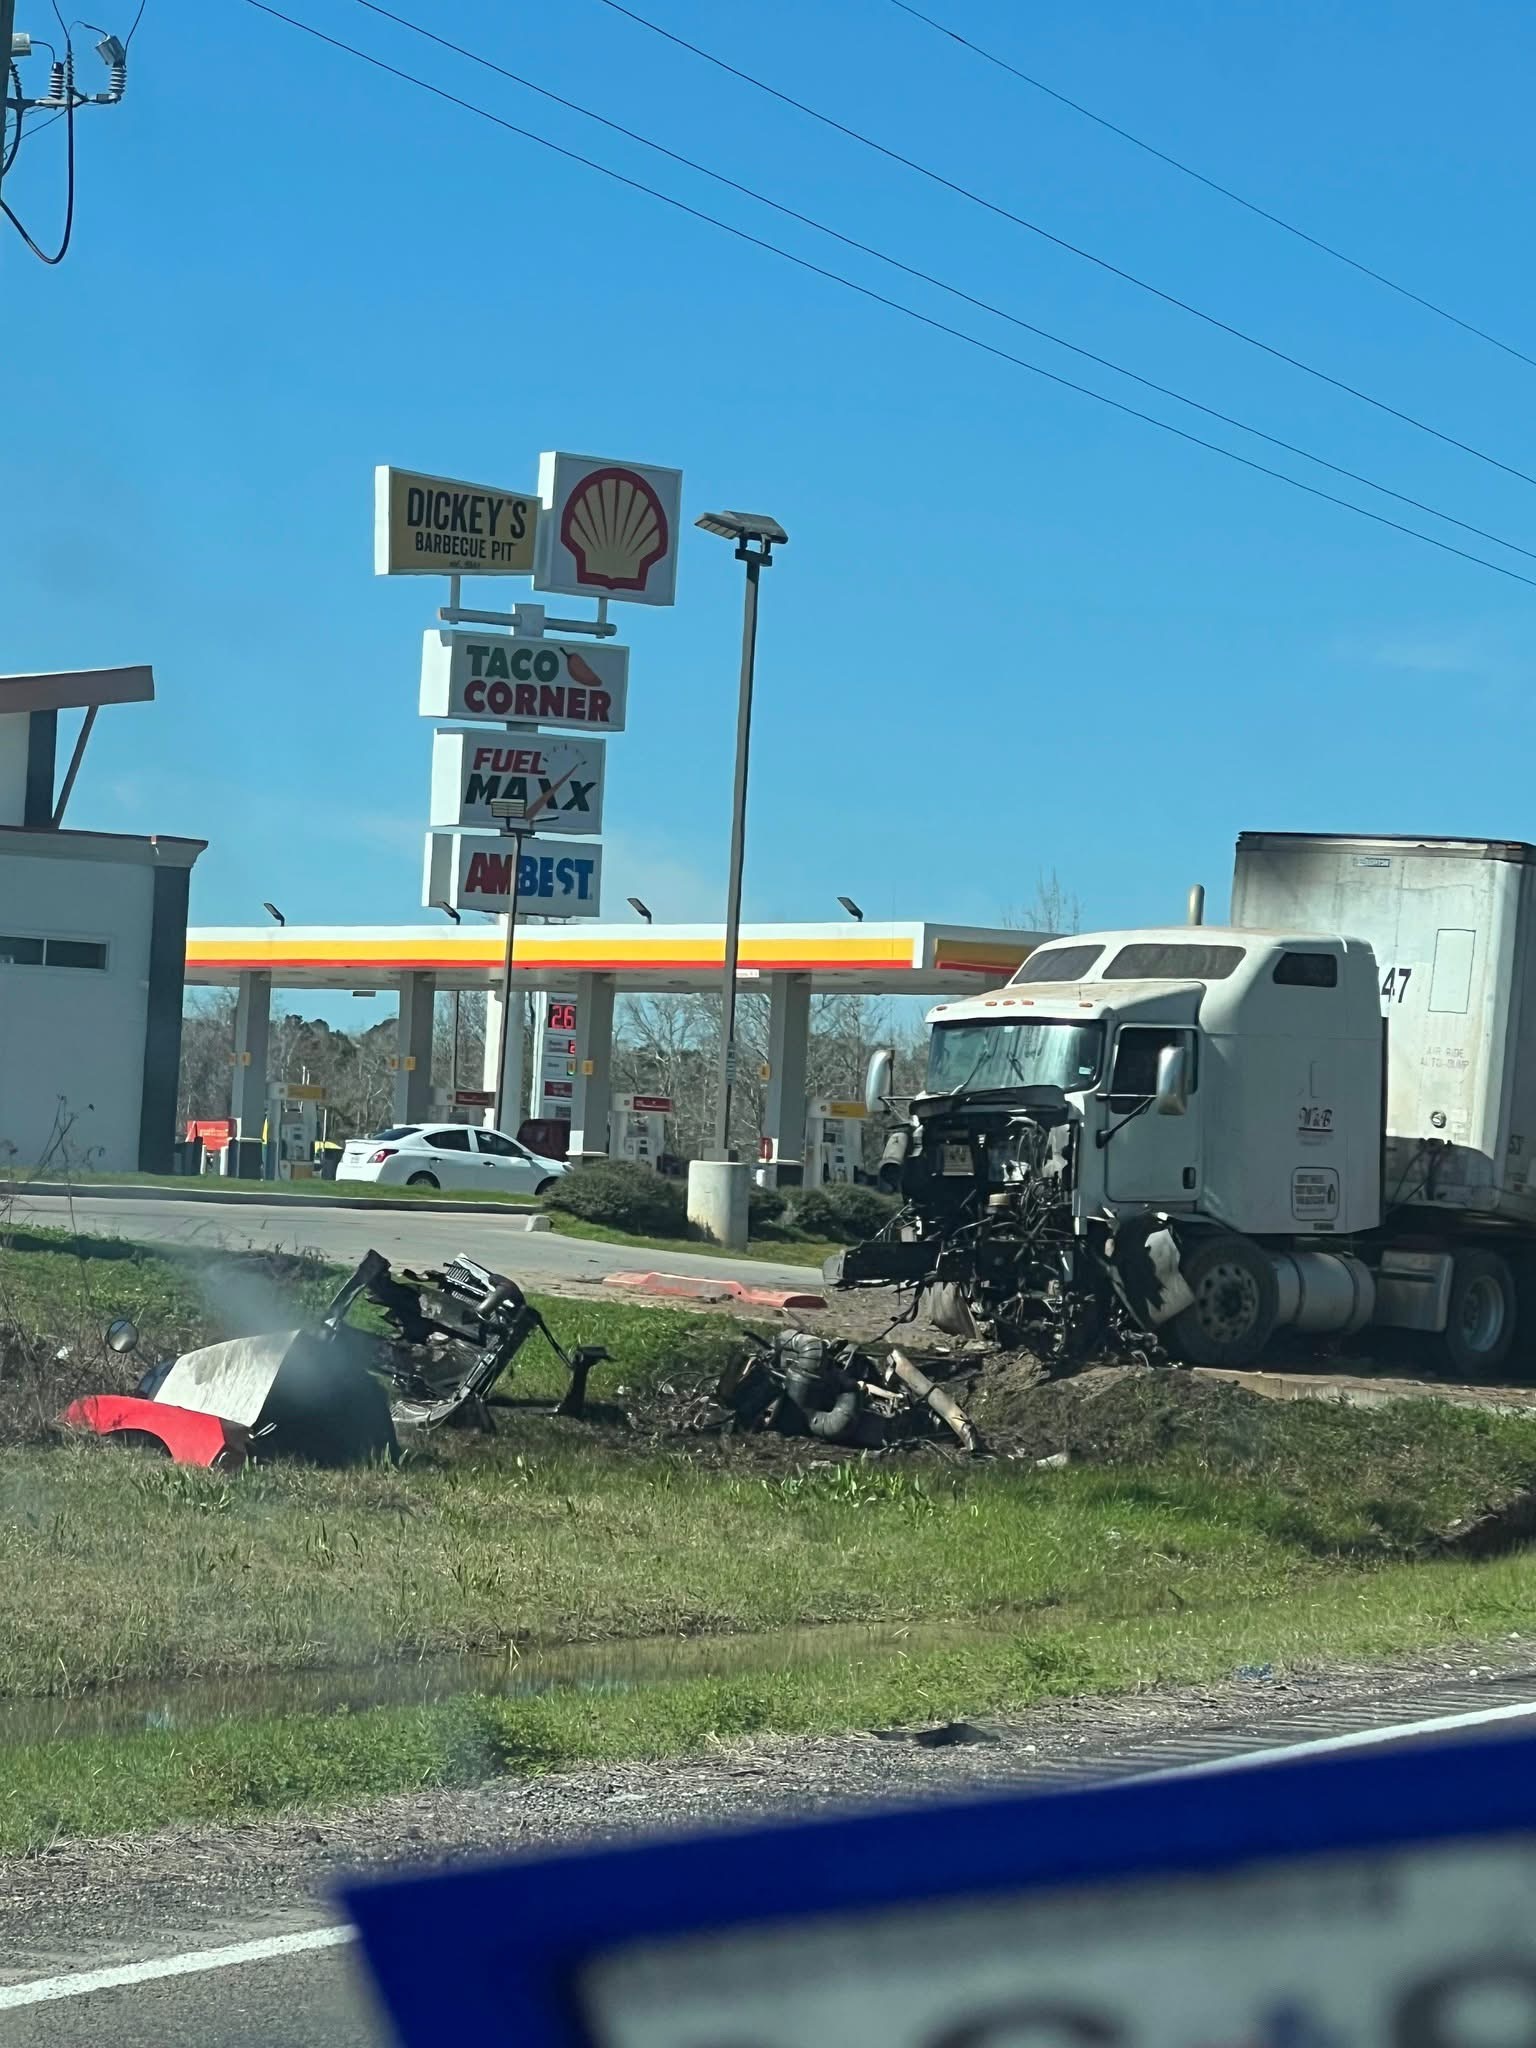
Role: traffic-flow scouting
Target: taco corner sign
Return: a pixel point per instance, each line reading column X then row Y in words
column 438, row 526
column 530, row 682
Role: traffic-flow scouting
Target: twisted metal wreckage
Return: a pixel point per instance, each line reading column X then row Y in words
column 330, row 1393
column 805, row 1385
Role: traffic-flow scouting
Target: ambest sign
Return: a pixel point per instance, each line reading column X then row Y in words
column 437, row 526
column 473, row 871
column 534, row 682
column 560, row 780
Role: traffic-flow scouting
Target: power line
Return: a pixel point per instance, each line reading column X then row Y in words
column 1213, row 184
column 878, row 298
column 69, row 205
column 927, row 277
column 1073, row 248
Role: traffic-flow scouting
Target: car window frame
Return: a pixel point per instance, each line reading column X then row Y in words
column 441, row 1140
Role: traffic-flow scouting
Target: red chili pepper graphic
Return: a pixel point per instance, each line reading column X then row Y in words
column 581, row 671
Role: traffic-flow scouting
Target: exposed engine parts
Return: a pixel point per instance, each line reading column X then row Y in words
column 805, row 1385
column 988, row 1234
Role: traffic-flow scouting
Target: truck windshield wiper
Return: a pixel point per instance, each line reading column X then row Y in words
column 1130, row 1116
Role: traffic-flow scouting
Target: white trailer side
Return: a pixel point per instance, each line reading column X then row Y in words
column 1452, row 923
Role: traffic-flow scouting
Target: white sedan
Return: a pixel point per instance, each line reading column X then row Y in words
column 448, row 1156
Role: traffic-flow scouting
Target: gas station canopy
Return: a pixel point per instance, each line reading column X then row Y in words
column 857, row 959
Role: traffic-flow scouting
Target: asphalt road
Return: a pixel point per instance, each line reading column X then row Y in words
column 316, row 1996
column 416, row 1237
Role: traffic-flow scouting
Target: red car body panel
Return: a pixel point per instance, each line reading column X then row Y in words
column 189, row 1438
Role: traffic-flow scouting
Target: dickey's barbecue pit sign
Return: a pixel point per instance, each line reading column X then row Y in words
column 532, row 682
column 559, row 779
column 437, row 526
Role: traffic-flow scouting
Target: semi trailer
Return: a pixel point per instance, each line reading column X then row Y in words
column 1319, row 1117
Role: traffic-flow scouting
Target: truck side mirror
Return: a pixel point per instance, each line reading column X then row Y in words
column 1172, row 1096
column 877, row 1079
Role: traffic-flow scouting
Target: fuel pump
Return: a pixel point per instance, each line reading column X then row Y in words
column 834, row 1141
column 637, row 1128
column 293, row 1127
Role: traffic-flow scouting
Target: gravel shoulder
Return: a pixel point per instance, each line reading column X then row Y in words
column 85, row 1902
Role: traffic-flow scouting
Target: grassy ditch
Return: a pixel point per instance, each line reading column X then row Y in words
column 1196, row 1528
column 104, row 1785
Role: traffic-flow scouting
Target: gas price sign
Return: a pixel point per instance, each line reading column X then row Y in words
column 1382, row 1900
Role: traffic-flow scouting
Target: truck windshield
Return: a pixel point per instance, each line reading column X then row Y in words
column 1015, row 1054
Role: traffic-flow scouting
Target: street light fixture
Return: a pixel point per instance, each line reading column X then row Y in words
column 852, row 909
column 755, row 536
column 639, row 908
column 274, row 913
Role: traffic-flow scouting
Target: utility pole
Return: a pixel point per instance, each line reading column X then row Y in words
column 7, row 38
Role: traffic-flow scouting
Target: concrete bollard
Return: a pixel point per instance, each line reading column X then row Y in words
column 717, row 1200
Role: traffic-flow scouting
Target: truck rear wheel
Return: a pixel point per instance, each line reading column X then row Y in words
column 1232, row 1316
column 1480, row 1327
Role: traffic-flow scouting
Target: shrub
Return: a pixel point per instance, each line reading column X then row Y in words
column 621, row 1195
column 764, row 1205
column 844, row 1212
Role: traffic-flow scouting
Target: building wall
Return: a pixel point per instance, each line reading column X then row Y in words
column 72, row 1038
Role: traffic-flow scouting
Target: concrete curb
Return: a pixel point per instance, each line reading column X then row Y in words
column 239, row 1198
column 688, row 1287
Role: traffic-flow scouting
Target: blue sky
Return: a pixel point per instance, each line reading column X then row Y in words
column 1012, row 631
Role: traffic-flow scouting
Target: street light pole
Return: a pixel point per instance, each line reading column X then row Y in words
column 755, row 536
column 755, row 559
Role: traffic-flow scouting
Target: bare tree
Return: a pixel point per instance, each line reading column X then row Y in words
column 207, row 1055
column 1053, row 907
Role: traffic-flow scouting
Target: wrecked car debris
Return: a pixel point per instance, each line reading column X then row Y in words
column 471, row 1323
column 805, row 1385
column 176, row 1433
column 330, row 1393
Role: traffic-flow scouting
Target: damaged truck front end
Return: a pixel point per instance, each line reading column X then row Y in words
column 1007, row 1225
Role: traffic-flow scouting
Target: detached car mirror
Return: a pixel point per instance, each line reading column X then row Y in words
column 1172, row 1096
column 122, row 1334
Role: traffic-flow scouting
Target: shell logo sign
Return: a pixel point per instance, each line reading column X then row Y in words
column 608, row 529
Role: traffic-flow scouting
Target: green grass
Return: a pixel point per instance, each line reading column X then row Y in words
column 117, row 1570
column 1215, row 1532
column 103, row 1785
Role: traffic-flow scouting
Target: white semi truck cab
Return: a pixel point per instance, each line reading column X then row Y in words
column 1194, row 1136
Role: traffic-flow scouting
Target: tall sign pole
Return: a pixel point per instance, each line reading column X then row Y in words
column 513, row 816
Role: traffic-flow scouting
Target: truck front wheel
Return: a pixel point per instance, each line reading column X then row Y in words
column 1236, row 1302
column 1481, row 1325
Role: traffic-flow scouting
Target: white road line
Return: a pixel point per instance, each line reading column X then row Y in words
column 41, row 1990
column 1358, row 1738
